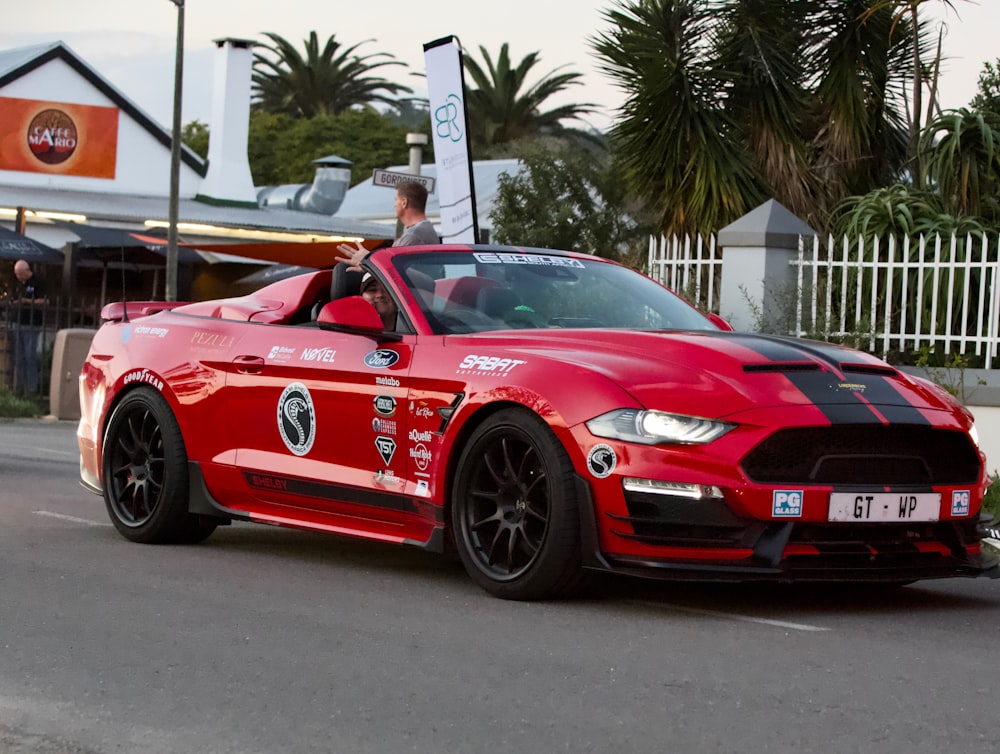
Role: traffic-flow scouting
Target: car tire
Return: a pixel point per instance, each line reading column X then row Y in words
column 145, row 476
column 513, row 509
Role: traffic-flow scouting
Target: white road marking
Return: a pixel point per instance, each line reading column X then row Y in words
column 20, row 450
column 746, row 618
column 74, row 519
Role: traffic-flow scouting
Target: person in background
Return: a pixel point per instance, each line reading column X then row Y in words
column 411, row 206
column 26, row 305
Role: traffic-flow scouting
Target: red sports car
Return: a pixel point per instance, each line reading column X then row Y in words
column 541, row 412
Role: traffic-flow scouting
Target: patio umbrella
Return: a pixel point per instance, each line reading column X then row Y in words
column 16, row 246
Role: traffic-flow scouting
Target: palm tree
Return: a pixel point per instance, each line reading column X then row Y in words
column 324, row 81
column 730, row 102
column 501, row 110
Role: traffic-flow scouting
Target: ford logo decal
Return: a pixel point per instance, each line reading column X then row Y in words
column 381, row 359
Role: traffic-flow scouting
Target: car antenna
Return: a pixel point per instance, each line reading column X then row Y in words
column 124, row 299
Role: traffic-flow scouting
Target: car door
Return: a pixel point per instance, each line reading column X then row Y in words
column 317, row 426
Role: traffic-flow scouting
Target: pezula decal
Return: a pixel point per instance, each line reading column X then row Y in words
column 297, row 418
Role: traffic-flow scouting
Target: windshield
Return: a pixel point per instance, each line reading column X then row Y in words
column 478, row 291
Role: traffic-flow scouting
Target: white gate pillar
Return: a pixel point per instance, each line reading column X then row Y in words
column 758, row 283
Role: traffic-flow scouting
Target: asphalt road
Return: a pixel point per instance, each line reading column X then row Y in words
column 266, row 640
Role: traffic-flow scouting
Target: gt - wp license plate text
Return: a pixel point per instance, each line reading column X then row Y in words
column 884, row 506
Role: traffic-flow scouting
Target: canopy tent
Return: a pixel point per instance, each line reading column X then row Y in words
column 16, row 246
column 118, row 248
column 95, row 239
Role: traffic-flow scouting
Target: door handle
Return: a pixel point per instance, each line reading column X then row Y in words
column 249, row 364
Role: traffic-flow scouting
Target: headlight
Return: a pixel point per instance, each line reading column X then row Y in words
column 974, row 434
column 654, row 427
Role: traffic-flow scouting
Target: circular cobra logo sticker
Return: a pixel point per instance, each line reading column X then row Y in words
column 52, row 136
column 601, row 460
column 297, row 418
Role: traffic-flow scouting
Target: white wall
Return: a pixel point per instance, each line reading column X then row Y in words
column 142, row 166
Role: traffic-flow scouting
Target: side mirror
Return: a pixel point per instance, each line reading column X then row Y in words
column 719, row 322
column 351, row 314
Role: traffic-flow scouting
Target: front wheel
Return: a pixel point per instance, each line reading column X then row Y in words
column 145, row 473
column 514, row 513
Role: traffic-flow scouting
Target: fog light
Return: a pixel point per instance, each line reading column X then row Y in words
column 674, row 489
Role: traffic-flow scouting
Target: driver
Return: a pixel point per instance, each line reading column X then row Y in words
column 376, row 295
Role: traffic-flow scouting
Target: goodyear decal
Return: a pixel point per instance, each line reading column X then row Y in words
column 144, row 376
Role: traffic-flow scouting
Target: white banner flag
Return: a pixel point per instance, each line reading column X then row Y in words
column 452, row 158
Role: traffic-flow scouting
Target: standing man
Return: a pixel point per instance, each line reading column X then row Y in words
column 411, row 206
column 27, row 303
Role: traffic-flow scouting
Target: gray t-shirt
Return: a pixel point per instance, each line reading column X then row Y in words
column 418, row 233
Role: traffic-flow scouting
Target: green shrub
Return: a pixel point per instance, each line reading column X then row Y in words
column 991, row 503
column 13, row 406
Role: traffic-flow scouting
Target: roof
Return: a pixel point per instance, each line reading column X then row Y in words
column 99, row 207
column 22, row 60
column 368, row 202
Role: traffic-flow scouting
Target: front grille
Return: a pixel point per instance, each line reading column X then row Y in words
column 864, row 454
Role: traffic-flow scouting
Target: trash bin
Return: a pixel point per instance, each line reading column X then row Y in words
column 68, row 354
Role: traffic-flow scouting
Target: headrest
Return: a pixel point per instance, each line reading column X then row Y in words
column 345, row 282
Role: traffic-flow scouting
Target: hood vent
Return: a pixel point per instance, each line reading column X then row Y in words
column 876, row 369
column 783, row 366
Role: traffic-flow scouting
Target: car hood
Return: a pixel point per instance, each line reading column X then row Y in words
column 719, row 374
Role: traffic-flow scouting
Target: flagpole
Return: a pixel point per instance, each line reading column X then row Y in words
column 175, row 159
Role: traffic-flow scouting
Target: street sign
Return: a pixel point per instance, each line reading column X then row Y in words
column 389, row 179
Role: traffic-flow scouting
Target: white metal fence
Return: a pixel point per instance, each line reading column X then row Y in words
column 937, row 295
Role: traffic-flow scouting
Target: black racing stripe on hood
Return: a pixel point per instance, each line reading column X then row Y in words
column 871, row 387
column 882, row 393
column 819, row 386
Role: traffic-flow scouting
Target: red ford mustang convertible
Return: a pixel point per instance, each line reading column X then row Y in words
column 542, row 413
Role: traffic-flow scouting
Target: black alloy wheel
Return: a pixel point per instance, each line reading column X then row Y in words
column 145, row 475
column 514, row 513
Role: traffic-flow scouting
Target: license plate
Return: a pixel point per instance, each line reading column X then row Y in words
column 884, row 506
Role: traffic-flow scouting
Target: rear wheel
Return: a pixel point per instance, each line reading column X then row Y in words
column 514, row 514
column 145, row 473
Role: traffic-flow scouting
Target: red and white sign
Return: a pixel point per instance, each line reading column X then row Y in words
column 58, row 137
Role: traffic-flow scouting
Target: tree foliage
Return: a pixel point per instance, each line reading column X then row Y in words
column 194, row 135
column 731, row 102
column 566, row 198
column 988, row 94
column 502, row 107
column 324, row 81
column 282, row 148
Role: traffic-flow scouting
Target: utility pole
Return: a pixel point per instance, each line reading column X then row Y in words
column 175, row 158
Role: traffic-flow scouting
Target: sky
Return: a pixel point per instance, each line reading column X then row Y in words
column 132, row 43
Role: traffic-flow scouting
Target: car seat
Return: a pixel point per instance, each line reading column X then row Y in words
column 496, row 302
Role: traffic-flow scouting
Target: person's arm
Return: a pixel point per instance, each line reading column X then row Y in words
column 352, row 255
